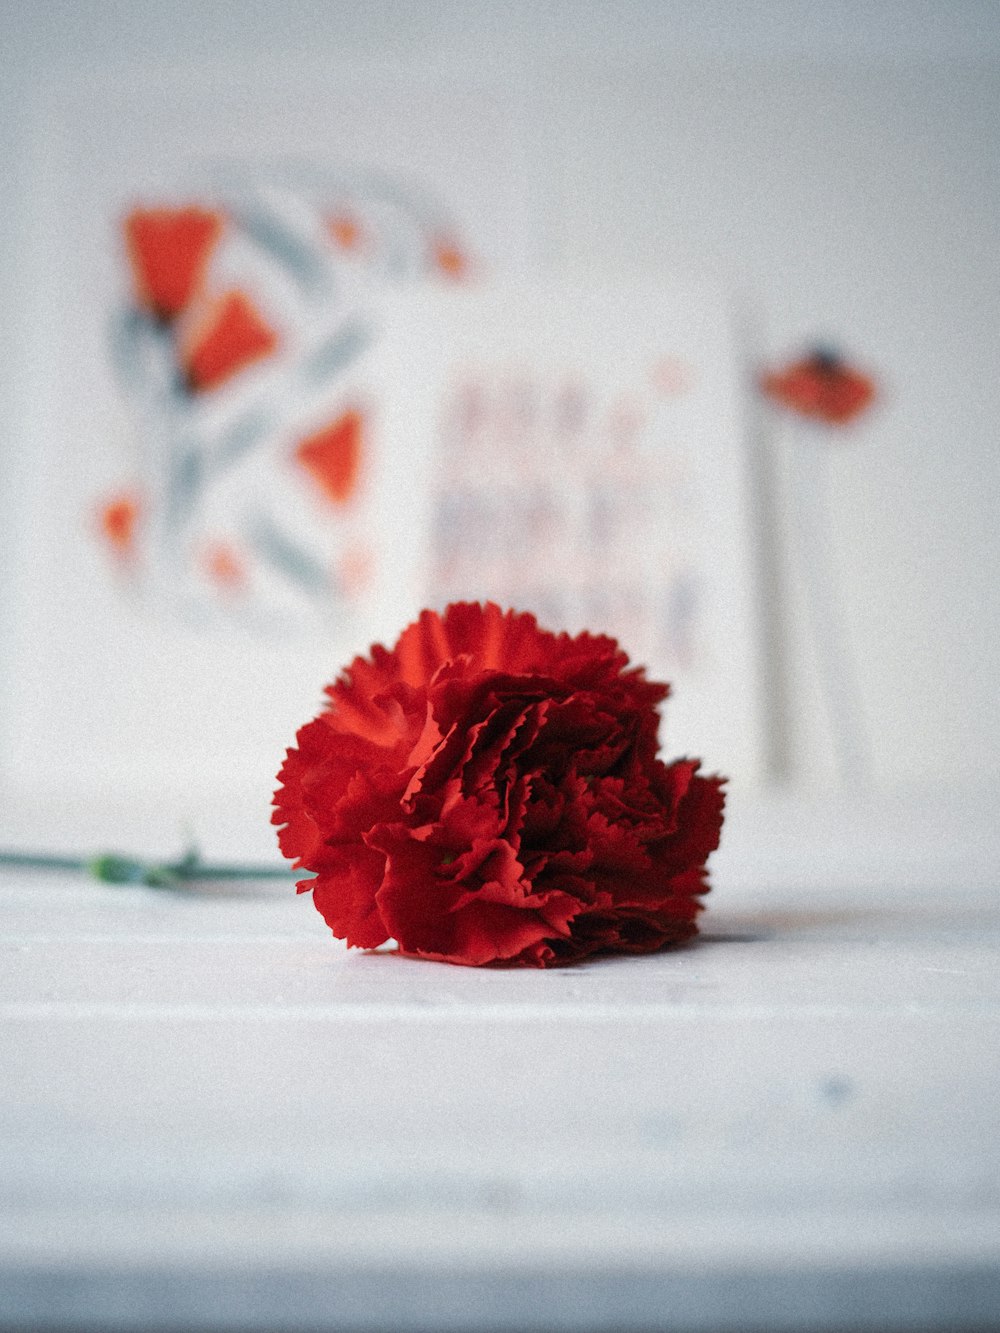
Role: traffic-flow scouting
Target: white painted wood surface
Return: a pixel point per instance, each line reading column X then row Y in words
column 212, row 1116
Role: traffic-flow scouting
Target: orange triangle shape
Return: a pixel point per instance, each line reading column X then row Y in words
column 332, row 457
column 169, row 249
column 231, row 337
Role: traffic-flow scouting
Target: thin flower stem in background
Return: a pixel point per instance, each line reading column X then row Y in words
column 810, row 464
column 822, row 388
column 114, row 868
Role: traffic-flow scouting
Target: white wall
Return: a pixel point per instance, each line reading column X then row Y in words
column 839, row 161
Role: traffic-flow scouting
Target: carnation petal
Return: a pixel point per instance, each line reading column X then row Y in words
column 345, row 896
column 697, row 817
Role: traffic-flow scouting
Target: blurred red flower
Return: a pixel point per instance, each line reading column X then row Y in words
column 490, row 793
column 821, row 386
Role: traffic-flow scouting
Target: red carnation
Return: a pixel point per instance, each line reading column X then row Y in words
column 489, row 793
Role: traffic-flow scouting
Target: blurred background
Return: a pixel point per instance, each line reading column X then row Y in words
column 813, row 1095
column 835, row 165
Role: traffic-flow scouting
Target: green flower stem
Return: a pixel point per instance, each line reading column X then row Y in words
column 113, row 868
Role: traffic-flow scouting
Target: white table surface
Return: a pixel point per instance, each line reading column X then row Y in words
column 213, row 1116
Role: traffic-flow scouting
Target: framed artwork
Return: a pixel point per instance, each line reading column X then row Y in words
column 195, row 505
column 575, row 449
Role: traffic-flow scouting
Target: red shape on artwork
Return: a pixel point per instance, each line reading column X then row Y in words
column 449, row 258
column 345, row 231
column 821, row 386
column 169, row 250
column 332, row 456
column 231, row 336
column 223, row 565
column 119, row 518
